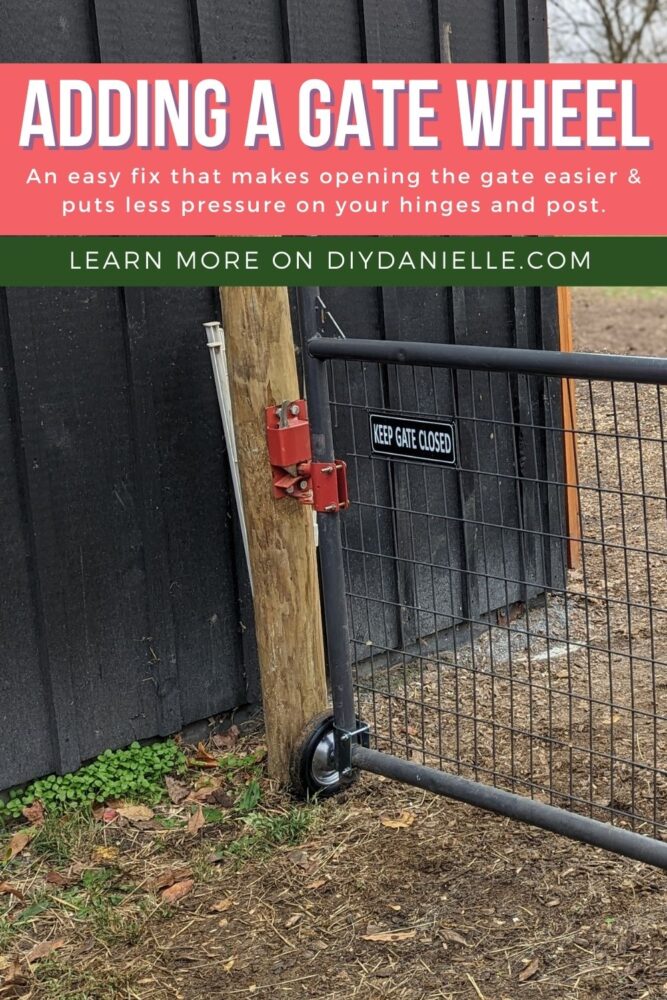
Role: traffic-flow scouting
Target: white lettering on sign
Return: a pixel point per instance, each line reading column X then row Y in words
column 412, row 438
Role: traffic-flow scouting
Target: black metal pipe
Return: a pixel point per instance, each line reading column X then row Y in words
column 329, row 538
column 518, row 807
column 605, row 367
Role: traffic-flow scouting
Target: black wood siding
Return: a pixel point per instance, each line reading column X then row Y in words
column 123, row 613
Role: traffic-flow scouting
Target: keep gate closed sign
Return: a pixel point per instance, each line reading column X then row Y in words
column 416, row 440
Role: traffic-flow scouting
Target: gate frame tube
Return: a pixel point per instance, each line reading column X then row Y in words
column 330, row 546
column 351, row 754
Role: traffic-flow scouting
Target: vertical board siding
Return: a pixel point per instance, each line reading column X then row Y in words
column 128, row 612
column 24, row 674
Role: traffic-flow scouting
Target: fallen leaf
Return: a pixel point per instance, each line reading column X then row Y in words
column 299, row 858
column 294, row 919
column 211, row 792
column 226, row 740
column 177, row 891
column 395, row 906
column 135, row 814
column 401, row 822
column 390, row 936
column 168, row 877
column 196, row 821
column 223, row 923
column 221, row 906
column 56, row 878
column 105, row 855
column 176, row 790
column 317, row 884
column 34, row 813
column 18, row 843
column 529, row 971
column 13, row 975
column 203, row 756
column 44, row 949
column 10, row 890
column 105, row 814
column 447, row 934
column 229, row 964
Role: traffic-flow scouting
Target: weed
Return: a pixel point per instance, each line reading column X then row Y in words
column 61, row 839
column 58, row 981
column 266, row 831
column 135, row 773
column 250, row 797
column 7, row 931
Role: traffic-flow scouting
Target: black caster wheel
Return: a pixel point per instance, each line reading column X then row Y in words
column 313, row 769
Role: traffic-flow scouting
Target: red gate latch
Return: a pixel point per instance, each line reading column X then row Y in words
column 322, row 485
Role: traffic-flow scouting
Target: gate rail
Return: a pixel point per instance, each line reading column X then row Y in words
column 620, row 683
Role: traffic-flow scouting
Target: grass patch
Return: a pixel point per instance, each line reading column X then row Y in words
column 57, row 981
column 266, row 831
column 62, row 839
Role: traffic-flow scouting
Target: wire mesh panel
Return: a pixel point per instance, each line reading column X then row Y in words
column 515, row 629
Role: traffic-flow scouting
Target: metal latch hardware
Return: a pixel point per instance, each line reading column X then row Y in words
column 322, row 485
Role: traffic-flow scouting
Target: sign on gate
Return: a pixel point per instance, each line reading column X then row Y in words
column 416, row 440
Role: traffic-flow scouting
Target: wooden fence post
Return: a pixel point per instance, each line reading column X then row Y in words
column 288, row 621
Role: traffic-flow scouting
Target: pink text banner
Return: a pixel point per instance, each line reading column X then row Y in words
column 391, row 149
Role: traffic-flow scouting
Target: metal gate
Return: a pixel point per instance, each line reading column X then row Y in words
column 552, row 710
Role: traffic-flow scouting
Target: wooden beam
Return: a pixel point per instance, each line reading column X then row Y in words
column 573, row 513
column 288, row 621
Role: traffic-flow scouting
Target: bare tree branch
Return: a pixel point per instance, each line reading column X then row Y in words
column 613, row 31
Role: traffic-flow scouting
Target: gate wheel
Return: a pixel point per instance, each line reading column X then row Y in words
column 313, row 767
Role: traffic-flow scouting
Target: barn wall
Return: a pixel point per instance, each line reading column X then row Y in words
column 123, row 614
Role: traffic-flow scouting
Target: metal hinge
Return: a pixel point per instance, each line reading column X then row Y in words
column 322, row 485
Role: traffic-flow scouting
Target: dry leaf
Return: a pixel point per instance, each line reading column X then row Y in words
column 13, row 975
column 390, row 936
column 177, row 891
column 105, row 855
column 223, row 923
column 317, row 884
column 34, row 813
column 135, row 814
column 168, row 877
column 226, row 740
column 221, row 906
column 204, row 757
column 44, row 949
column 529, row 971
column 18, row 843
column 229, row 964
column 294, row 919
column 56, row 878
column 447, row 934
column 176, row 790
column 196, row 821
column 401, row 822
column 10, row 890
column 299, row 858
column 395, row 906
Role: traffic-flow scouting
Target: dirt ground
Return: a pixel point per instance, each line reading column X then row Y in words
column 383, row 892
